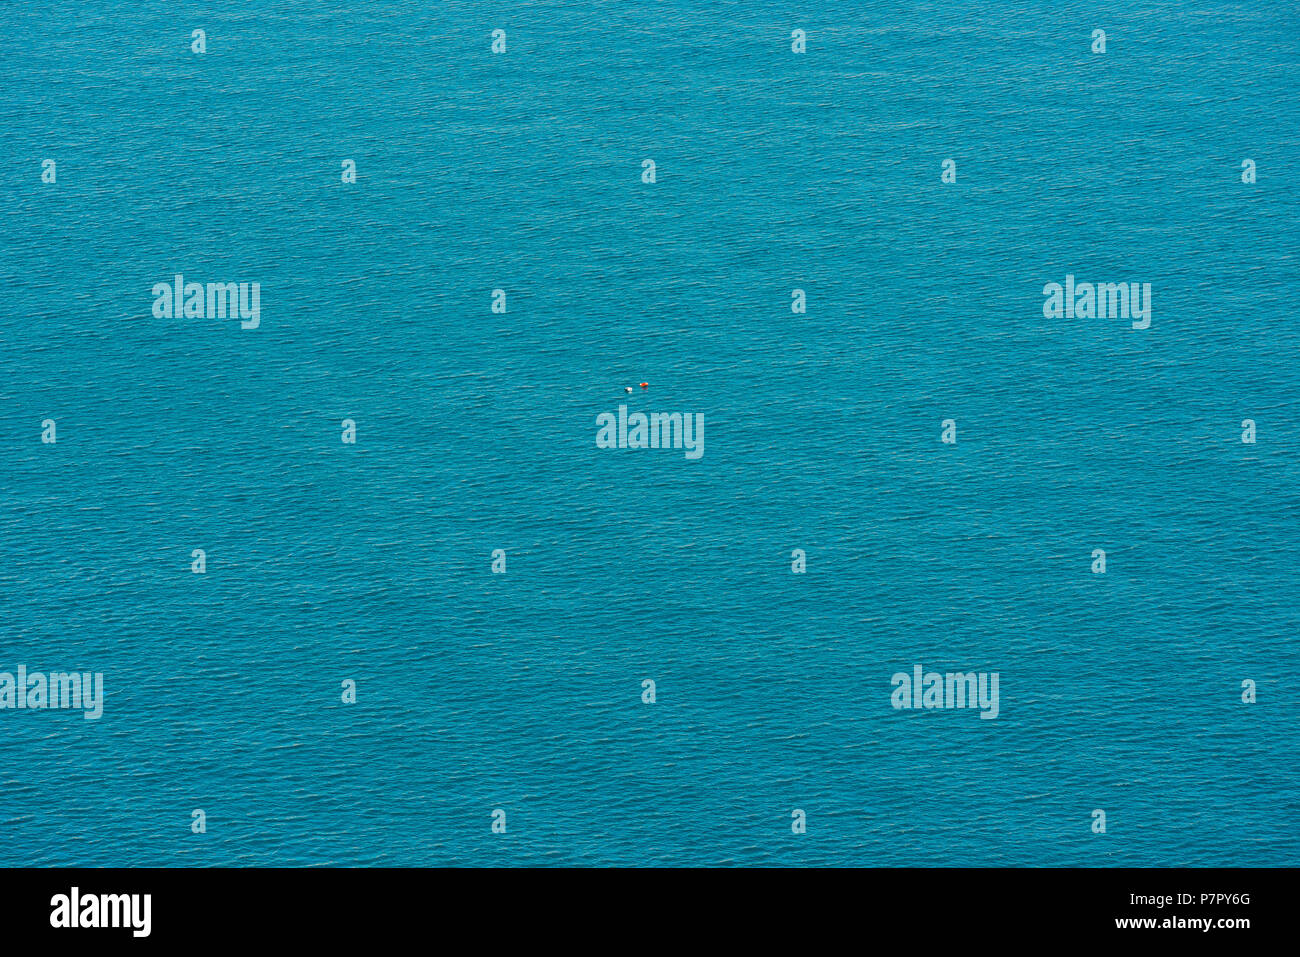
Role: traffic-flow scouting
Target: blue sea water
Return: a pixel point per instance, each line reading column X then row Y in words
column 476, row 431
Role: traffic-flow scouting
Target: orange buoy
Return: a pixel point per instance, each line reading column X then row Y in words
column 645, row 385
